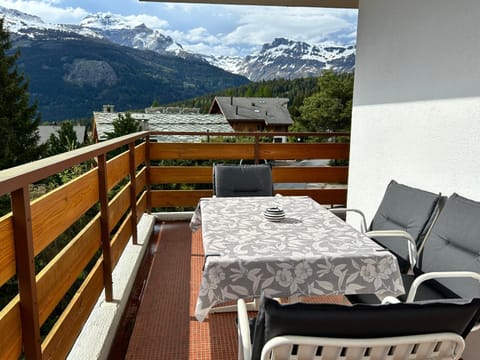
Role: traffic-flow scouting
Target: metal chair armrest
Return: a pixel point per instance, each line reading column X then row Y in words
column 345, row 210
column 412, row 245
column 437, row 275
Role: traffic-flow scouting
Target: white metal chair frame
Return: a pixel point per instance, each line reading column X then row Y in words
column 429, row 276
column 435, row 346
column 412, row 246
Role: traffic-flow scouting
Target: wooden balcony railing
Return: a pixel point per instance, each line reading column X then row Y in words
column 148, row 175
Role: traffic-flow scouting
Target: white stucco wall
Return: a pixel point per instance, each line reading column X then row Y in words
column 416, row 114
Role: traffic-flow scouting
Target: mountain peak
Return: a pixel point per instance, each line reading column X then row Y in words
column 284, row 58
column 16, row 20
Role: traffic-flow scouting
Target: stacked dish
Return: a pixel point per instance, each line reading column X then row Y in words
column 274, row 213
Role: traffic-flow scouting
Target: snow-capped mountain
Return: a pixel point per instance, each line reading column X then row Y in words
column 31, row 26
column 280, row 59
column 107, row 26
column 119, row 30
column 289, row 59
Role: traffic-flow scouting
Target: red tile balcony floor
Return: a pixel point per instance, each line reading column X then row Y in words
column 160, row 321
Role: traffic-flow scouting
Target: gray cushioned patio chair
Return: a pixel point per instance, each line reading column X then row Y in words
column 452, row 246
column 448, row 265
column 242, row 180
column 402, row 220
column 400, row 331
column 237, row 180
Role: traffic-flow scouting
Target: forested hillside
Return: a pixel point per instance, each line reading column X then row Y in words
column 70, row 78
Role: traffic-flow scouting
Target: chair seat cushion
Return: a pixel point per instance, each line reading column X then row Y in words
column 364, row 299
column 362, row 321
column 430, row 290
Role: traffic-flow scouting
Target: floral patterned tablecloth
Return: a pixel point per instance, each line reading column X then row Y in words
column 309, row 252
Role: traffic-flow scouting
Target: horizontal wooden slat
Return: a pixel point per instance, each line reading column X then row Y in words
column 56, row 211
column 203, row 151
column 174, row 198
column 322, row 196
column 141, row 182
column 298, row 174
column 117, row 169
column 118, row 206
column 304, row 151
column 11, row 331
column 141, row 205
column 280, row 174
column 140, row 154
column 59, row 341
column 120, row 239
column 181, row 174
column 7, row 249
column 59, row 275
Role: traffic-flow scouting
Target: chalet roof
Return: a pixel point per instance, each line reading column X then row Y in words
column 46, row 130
column 271, row 110
column 162, row 121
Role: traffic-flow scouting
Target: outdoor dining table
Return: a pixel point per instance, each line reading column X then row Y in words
column 309, row 252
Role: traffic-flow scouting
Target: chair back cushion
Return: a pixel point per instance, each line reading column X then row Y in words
column 454, row 245
column 242, row 180
column 408, row 209
column 361, row 320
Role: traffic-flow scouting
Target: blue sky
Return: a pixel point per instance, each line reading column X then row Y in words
column 209, row 29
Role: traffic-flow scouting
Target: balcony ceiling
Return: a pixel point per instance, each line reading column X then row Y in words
column 351, row 4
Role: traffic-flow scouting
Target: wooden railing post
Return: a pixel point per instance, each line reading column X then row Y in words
column 148, row 170
column 133, row 191
column 104, row 225
column 25, row 262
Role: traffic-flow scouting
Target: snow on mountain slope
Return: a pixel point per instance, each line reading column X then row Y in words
column 120, row 30
column 291, row 59
column 282, row 58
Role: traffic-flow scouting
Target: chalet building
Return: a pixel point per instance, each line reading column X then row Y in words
column 45, row 131
column 163, row 119
column 253, row 113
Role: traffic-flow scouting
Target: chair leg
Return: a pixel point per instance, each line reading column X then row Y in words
column 251, row 306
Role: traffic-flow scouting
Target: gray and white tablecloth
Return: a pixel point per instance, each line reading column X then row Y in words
column 310, row 252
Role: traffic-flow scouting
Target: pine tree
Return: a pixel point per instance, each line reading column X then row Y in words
column 64, row 140
column 124, row 125
column 18, row 119
column 331, row 107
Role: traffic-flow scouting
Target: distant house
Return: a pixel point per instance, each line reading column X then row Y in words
column 163, row 119
column 253, row 113
column 46, row 130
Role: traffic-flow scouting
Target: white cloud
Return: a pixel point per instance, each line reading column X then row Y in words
column 242, row 29
column 150, row 21
column 48, row 10
column 310, row 25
